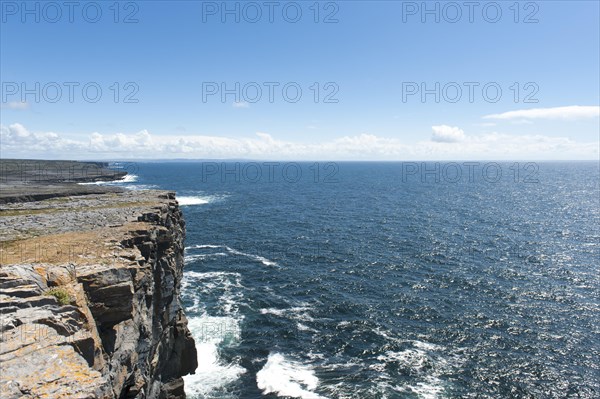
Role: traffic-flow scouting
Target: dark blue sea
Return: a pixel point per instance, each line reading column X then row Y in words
column 390, row 280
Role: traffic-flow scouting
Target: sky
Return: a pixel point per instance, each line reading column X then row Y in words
column 304, row 80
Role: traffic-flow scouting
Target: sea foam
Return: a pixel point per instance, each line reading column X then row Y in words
column 212, row 372
column 125, row 179
column 213, row 332
column 232, row 251
column 286, row 377
column 198, row 200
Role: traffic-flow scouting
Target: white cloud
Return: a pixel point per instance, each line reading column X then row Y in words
column 567, row 113
column 141, row 141
column 17, row 141
column 241, row 104
column 18, row 105
column 447, row 134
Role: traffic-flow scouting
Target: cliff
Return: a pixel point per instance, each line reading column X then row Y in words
column 89, row 297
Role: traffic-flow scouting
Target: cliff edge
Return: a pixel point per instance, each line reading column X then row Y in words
column 89, row 297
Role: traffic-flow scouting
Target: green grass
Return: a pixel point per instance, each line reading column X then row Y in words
column 60, row 294
column 57, row 200
column 22, row 212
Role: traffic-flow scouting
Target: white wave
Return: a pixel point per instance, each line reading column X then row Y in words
column 192, row 258
column 416, row 358
column 213, row 332
column 428, row 346
column 140, row 186
column 425, row 359
column 185, row 201
column 203, row 246
column 125, row 179
column 226, row 284
column 258, row 258
column 286, row 377
column 212, row 373
column 316, row 356
column 413, row 359
column 93, row 183
column 128, row 179
column 209, row 275
column 282, row 312
column 297, row 313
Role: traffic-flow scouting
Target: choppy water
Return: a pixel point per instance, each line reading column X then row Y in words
column 368, row 280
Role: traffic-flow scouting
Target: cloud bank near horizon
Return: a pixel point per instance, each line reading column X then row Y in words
column 446, row 142
column 573, row 112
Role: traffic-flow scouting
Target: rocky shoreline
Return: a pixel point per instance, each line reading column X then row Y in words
column 89, row 295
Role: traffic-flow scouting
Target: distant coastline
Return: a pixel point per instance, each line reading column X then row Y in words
column 36, row 180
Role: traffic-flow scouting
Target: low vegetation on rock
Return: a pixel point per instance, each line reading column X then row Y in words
column 60, row 294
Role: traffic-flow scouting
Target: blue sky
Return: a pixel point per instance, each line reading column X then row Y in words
column 172, row 52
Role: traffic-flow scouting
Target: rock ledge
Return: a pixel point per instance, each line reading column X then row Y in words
column 89, row 298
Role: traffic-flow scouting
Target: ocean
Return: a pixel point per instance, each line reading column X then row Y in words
column 389, row 280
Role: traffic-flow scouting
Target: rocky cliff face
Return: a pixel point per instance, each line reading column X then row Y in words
column 89, row 298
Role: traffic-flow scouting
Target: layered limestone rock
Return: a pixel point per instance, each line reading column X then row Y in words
column 91, row 309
